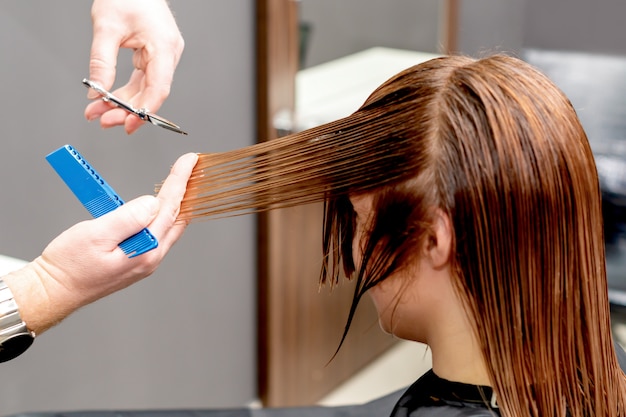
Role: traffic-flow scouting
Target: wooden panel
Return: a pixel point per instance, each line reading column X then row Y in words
column 305, row 322
column 299, row 325
column 276, row 32
column 451, row 27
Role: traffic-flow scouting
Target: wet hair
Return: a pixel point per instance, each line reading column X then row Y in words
column 502, row 152
column 497, row 147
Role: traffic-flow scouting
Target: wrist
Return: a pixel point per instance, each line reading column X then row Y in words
column 41, row 300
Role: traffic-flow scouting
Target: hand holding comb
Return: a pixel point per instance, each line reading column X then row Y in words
column 96, row 194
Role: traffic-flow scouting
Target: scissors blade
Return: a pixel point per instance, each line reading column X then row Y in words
column 164, row 123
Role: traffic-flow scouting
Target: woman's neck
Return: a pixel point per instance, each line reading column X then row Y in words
column 456, row 353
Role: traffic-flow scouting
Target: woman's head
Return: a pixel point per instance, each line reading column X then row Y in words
column 498, row 149
column 417, row 300
column 494, row 149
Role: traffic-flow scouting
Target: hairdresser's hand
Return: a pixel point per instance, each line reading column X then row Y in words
column 148, row 27
column 84, row 263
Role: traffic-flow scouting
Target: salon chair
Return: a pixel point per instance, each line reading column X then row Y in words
column 596, row 86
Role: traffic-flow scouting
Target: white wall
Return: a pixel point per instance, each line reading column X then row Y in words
column 579, row 25
column 186, row 336
column 512, row 25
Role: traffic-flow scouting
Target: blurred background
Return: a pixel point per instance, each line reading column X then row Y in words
column 185, row 337
column 198, row 332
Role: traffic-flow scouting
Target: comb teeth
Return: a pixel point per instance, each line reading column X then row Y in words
column 95, row 194
column 139, row 243
column 101, row 205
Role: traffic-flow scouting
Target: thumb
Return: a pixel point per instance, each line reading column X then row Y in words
column 103, row 60
column 129, row 218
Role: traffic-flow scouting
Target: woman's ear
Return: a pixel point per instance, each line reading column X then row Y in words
column 439, row 244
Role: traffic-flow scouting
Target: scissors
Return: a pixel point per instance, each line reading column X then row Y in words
column 143, row 114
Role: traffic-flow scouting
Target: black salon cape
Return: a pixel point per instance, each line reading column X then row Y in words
column 429, row 396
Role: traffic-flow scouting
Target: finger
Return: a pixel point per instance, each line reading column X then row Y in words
column 137, row 60
column 103, row 59
column 96, row 109
column 156, row 87
column 114, row 117
column 175, row 185
column 109, row 114
column 132, row 90
column 132, row 123
column 159, row 72
column 127, row 219
column 171, row 194
column 130, row 93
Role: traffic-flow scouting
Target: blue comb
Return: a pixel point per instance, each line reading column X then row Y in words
column 95, row 194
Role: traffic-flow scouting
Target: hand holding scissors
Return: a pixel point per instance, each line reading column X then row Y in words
column 149, row 29
column 143, row 114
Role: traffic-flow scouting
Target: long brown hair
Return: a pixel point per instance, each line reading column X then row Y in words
column 495, row 145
